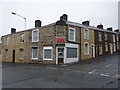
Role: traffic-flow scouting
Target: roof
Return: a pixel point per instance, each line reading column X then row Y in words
column 89, row 27
column 70, row 23
column 31, row 29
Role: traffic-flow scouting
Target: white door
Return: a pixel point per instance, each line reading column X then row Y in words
column 111, row 49
column 93, row 50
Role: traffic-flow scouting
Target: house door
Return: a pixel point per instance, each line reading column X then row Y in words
column 93, row 51
column 13, row 56
column 60, row 55
column 111, row 49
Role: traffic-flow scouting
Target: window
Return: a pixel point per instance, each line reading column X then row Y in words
column 71, row 34
column 35, row 35
column 86, row 34
column 113, row 38
column 34, row 52
column 106, row 47
column 105, row 37
column 47, row 53
column 6, row 53
column 86, row 49
column 71, row 52
column 7, row 40
column 117, row 45
column 100, row 49
column 114, row 47
column 100, row 37
column 21, row 53
column 22, row 38
column 117, row 37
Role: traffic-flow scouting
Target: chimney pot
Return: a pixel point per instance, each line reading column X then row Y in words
column 110, row 28
column 87, row 23
column 116, row 30
column 37, row 23
column 100, row 26
column 13, row 30
column 64, row 17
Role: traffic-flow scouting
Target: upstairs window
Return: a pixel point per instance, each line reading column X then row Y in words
column 7, row 40
column 105, row 37
column 113, row 38
column 86, row 34
column 100, row 36
column 35, row 35
column 22, row 38
column 71, row 34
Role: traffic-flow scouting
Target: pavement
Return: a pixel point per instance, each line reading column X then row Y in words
column 100, row 72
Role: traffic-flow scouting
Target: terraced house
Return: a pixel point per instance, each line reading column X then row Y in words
column 59, row 43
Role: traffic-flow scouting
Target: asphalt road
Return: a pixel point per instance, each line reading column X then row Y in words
column 102, row 72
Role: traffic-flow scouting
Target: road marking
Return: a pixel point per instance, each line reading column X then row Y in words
column 104, row 75
column 108, row 65
column 91, row 72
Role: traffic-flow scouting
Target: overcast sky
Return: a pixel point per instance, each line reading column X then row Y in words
column 49, row 11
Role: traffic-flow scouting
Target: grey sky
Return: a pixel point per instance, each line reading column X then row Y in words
column 49, row 12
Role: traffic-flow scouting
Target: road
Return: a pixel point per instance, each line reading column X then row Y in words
column 101, row 72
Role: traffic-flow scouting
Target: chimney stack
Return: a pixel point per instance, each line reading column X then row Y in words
column 64, row 17
column 100, row 26
column 87, row 23
column 37, row 23
column 110, row 28
column 116, row 30
column 13, row 30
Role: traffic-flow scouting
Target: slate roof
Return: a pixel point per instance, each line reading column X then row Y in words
column 89, row 27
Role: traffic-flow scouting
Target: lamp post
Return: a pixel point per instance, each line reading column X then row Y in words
column 21, row 17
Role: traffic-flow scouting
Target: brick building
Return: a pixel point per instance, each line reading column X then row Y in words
column 60, row 42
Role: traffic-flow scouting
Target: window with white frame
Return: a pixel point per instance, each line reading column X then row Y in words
column 114, row 47
column 117, row 37
column 35, row 35
column 22, row 38
column 7, row 40
column 86, row 34
column 118, row 46
column 100, row 49
column 71, row 52
column 6, row 53
column 106, row 47
column 105, row 37
column 100, row 36
column 47, row 53
column 21, row 54
column 86, row 48
column 71, row 34
column 113, row 38
column 34, row 52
